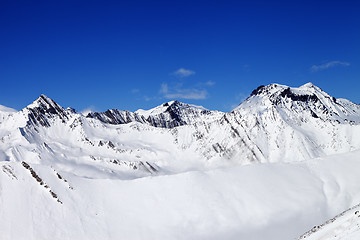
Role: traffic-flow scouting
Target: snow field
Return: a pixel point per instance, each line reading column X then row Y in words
column 259, row 201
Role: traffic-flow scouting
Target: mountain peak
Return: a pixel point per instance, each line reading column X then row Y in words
column 43, row 102
column 167, row 115
column 175, row 102
column 308, row 85
column 166, row 107
column 44, row 107
column 306, row 101
column 274, row 91
column 268, row 89
column 274, row 87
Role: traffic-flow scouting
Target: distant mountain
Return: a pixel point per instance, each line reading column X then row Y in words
column 168, row 115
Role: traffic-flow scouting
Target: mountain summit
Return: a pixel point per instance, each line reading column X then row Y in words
column 307, row 100
column 168, row 115
column 44, row 108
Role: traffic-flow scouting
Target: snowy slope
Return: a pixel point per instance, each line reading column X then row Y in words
column 5, row 112
column 266, row 201
column 343, row 226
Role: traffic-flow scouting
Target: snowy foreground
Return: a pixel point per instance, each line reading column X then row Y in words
column 259, row 201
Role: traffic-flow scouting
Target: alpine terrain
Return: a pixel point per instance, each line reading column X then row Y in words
column 285, row 160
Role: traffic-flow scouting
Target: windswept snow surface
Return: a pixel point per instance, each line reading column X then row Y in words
column 259, row 201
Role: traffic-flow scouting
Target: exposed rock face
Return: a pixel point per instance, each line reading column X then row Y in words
column 168, row 115
column 44, row 108
column 114, row 116
column 308, row 98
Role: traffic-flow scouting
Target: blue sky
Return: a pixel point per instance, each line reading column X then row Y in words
column 139, row 54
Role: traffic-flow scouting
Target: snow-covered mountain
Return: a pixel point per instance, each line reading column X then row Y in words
column 279, row 123
column 168, row 115
column 57, row 151
column 275, row 123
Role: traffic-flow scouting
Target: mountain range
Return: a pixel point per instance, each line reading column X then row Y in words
column 51, row 154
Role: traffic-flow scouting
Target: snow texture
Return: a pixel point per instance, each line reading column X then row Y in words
column 343, row 226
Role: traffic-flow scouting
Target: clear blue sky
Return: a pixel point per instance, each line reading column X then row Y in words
column 139, row 54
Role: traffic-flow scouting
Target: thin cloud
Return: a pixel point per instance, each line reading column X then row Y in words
column 210, row 83
column 146, row 98
column 88, row 110
column 206, row 84
column 164, row 88
column 180, row 93
column 135, row 90
column 182, row 73
column 324, row 66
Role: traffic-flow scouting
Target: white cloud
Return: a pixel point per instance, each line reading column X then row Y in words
column 182, row 72
column 146, row 98
column 164, row 88
column 178, row 93
column 210, row 83
column 135, row 90
column 188, row 94
column 88, row 110
column 315, row 68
